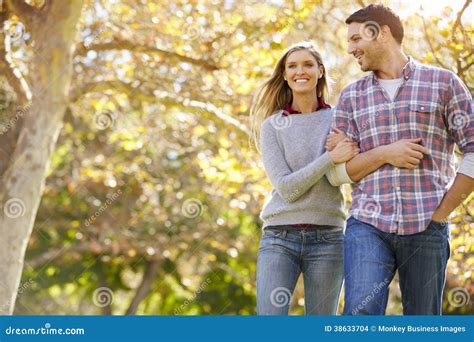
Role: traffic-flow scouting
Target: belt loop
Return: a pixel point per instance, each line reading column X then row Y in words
column 283, row 233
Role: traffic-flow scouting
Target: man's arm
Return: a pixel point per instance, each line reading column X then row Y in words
column 365, row 163
column 405, row 153
column 358, row 167
column 459, row 109
column 462, row 187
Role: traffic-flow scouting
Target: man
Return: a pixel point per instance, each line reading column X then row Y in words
column 406, row 117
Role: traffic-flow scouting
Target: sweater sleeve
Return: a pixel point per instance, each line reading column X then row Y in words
column 338, row 175
column 290, row 185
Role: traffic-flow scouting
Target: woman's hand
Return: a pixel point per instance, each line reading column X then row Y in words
column 344, row 151
column 334, row 138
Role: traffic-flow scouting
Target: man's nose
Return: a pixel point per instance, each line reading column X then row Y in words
column 350, row 48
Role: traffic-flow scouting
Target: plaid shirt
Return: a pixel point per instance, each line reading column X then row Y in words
column 432, row 104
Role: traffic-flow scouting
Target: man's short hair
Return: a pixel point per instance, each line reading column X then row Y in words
column 382, row 15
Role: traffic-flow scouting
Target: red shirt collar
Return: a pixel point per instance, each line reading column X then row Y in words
column 289, row 110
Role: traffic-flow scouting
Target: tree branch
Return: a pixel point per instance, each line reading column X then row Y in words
column 143, row 290
column 428, row 39
column 13, row 75
column 106, row 309
column 163, row 96
column 458, row 18
column 51, row 255
column 21, row 9
column 467, row 66
column 122, row 44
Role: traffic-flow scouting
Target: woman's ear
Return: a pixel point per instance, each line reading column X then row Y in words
column 321, row 71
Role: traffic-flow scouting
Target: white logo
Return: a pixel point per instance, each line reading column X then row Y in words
column 103, row 296
column 369, row 30
column 458, row 297
column 280, row 297
column 192, row 208
column 14, row 208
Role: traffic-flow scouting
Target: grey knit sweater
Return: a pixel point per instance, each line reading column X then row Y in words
column 295, row 161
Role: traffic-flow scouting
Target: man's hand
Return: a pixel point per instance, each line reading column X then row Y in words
column 334, row 138
column 405, row 153
column 460, row 190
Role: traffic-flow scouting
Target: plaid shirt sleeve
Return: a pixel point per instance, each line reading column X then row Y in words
column 460, row 116
column 344, row 116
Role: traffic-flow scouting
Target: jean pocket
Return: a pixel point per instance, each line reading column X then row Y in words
column 437, row 225
column 337, row 236
column 271, row 232
column 437, row 229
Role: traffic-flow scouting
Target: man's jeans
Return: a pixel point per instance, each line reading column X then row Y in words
column 371, row 258
column 284, row 253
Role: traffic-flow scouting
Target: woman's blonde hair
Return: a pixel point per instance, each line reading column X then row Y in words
column 275, row 93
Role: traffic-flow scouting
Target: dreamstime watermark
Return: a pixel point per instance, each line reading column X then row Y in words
column 280, row 297
column 369, row 207
column 90, row 40
column 190, row 300
column 439, row 178
column 103, row 208
column 23, row 287
column 371, row 118
column 105, row 119
column 15, row 30
column 458, row 297
column 193, row 31
column 192, row 208
column 292, row 22
column 291, row 198
column 12, row 122
column 280, row 120
column 458, row 121
column 369, row 30
column 102, row 297
column 370, row 297
column 46, row 330
column 14, row 208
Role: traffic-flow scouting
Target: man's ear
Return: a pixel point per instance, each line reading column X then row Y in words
column 385, row 34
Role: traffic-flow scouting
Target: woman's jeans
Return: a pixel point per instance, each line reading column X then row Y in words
column 287, row 251
column 373, row 256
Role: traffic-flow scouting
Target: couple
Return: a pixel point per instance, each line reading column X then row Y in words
column 393, row 138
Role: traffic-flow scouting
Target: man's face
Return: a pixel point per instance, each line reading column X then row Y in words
column 364, row 45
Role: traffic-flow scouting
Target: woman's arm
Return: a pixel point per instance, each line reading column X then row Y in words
column 357, row 168
column 291, row 185
column 288, row 184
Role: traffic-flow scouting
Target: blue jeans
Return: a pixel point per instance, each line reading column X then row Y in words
column 284, row 253
column 371, row 258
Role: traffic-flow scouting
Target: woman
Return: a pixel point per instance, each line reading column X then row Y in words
column 304, row 216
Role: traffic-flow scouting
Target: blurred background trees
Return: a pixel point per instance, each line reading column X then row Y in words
column 153, row 193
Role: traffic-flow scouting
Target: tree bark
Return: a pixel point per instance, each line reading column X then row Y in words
column 149, row 275
column 53, row 30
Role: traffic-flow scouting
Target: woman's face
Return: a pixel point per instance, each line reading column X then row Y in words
column 302, row 71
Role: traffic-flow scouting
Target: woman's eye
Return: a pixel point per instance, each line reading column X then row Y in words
column 309, row 64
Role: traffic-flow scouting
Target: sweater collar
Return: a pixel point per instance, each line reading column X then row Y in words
column 289, row 110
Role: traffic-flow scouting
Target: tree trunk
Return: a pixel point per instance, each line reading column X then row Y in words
column 53, row 29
